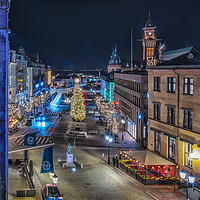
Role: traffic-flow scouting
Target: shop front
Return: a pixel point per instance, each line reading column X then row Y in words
column 131, row 128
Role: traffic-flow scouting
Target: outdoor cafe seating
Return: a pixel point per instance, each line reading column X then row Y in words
column 148, row 167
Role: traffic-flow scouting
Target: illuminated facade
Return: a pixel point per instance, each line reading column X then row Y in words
column 12, row 76
column 131, row 100
column 149, row 43
column 173, row 108
column 35, row 82
column 107, row 87
column 49, row 77
column 21, row 78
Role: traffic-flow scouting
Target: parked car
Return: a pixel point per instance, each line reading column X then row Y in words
column 74, row 133
column 50, row 192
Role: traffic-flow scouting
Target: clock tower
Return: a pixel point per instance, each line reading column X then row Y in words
column 149, row 41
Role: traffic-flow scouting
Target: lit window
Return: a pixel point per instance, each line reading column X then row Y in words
column 188, row 86
column 171, row 84
column 188, row 151
column 157, row 141
column 171, row 148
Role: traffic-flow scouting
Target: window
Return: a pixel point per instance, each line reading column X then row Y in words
column 156, row 83
column 188, row 119
column 171, row 115
column 188, row 86
column 171, row 148
column 157, row 141
column 157, row 111
column 171, row 84
column 188, row 151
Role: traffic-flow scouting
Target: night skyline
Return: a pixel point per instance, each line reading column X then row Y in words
column 83, row 33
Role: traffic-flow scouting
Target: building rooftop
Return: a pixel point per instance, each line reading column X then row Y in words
column 175, row 67
column 183, row 56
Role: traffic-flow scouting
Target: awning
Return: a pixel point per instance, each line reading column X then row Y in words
column 148, row 158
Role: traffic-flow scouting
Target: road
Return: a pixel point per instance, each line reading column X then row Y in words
column 96, row 180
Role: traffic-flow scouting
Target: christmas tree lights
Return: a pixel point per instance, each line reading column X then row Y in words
column 78, row 112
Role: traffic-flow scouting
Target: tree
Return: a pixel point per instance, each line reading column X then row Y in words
column 115, row 126
column 77, row 112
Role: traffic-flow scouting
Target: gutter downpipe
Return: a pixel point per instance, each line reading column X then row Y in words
column 178, row 94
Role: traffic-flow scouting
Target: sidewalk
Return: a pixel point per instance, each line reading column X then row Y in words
column 17, row 182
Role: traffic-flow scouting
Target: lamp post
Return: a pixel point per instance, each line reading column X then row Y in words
column 54, row 180
column 190, row 179
column 109, row 140
column 123, row 122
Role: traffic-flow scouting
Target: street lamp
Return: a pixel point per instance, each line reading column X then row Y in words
column 123, row 122
column 54, row 180
column 109, row 140
column 190, row 179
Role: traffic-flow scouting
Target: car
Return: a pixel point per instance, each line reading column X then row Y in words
column 50, row 191
column 40, row 117
column 75, row 133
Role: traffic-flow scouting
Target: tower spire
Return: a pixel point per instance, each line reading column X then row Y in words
column 149, row 13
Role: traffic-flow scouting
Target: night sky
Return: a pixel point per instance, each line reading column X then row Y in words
column 83, row 32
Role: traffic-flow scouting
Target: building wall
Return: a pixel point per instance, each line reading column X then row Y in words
column 30, row 81
column 107, row 90
column 131, row 98
column 182, row 135
column 12, row 80
column 114, row 68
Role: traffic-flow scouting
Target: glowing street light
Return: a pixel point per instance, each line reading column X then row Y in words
column 190, row 179
column 109, row 139
column 123, row 122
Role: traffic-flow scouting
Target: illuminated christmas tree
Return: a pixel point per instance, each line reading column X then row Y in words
column 77, row 112
column 115, row 126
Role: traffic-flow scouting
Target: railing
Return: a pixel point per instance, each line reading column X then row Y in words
column 158, row 181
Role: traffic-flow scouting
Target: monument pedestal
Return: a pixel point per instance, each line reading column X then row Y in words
column 69, row 161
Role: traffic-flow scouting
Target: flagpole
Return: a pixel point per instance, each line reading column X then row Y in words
column 131, row 49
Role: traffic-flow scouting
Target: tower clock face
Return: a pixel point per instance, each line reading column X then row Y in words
column 150, row 33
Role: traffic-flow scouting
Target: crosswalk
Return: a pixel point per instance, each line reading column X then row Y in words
column 39, row 140
column 54, row 113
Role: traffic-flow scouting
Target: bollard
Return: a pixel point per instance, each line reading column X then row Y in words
column 63, row 165
column 102, row 155
column 75, row 160
column 81, row 166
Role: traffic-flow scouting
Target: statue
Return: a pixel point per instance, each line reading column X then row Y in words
column 69, row 149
